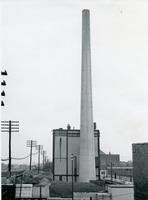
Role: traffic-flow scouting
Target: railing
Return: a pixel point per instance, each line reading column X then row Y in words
column 32, row 198
column 8, row 192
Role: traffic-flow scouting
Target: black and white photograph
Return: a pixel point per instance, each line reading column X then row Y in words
column 74, row 99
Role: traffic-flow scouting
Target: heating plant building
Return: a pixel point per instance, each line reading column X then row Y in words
column 67, row 142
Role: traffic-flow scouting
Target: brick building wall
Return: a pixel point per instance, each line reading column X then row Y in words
column 140, row 171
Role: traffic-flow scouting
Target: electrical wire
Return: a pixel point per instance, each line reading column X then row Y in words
column 5, row 159
column 24, row 157
column 18, row 158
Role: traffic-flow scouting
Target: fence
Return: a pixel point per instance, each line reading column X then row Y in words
column 32, row 198
column 8, row 192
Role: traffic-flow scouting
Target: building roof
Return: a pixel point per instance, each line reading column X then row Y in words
column 71, row 132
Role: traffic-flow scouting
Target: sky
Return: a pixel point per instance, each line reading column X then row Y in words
column 41, row 51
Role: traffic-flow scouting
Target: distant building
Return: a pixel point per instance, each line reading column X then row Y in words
column 67, row 142
column 140, row 171
column 108, row 159
column 122, row 173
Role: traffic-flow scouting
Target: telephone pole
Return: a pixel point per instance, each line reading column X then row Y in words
column 43, row 153
column 31, row 143
column 10, row 127
column 39, row 148
column 72, row 160
column 111, row 172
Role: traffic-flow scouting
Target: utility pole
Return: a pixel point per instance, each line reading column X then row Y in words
column 99, row 160
column 43, row 153
column 45, row 160
column 111, row 165
column 111, row 173
column 75, row 168
column 9, row 166
column 72, row 159
column 9, row 127
column 39, row 148
column 31, row 143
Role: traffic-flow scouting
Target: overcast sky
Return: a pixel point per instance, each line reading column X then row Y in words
column 41, row 50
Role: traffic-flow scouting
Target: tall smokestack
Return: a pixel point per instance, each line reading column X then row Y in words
column 87, row 150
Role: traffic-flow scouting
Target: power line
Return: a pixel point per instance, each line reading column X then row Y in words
column 5, row 159
column 24, row 157
column 18, row 158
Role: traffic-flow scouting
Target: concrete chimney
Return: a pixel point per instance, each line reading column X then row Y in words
column 87, row 151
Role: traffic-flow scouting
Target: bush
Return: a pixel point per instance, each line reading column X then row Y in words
column 64, row 189
column 98, row 182
column 35, row 179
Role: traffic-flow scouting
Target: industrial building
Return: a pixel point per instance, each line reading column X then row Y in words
column 140, row 171
column 67, row 142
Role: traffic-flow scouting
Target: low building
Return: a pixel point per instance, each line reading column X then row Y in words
column 121, row 192
column 108, row 159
